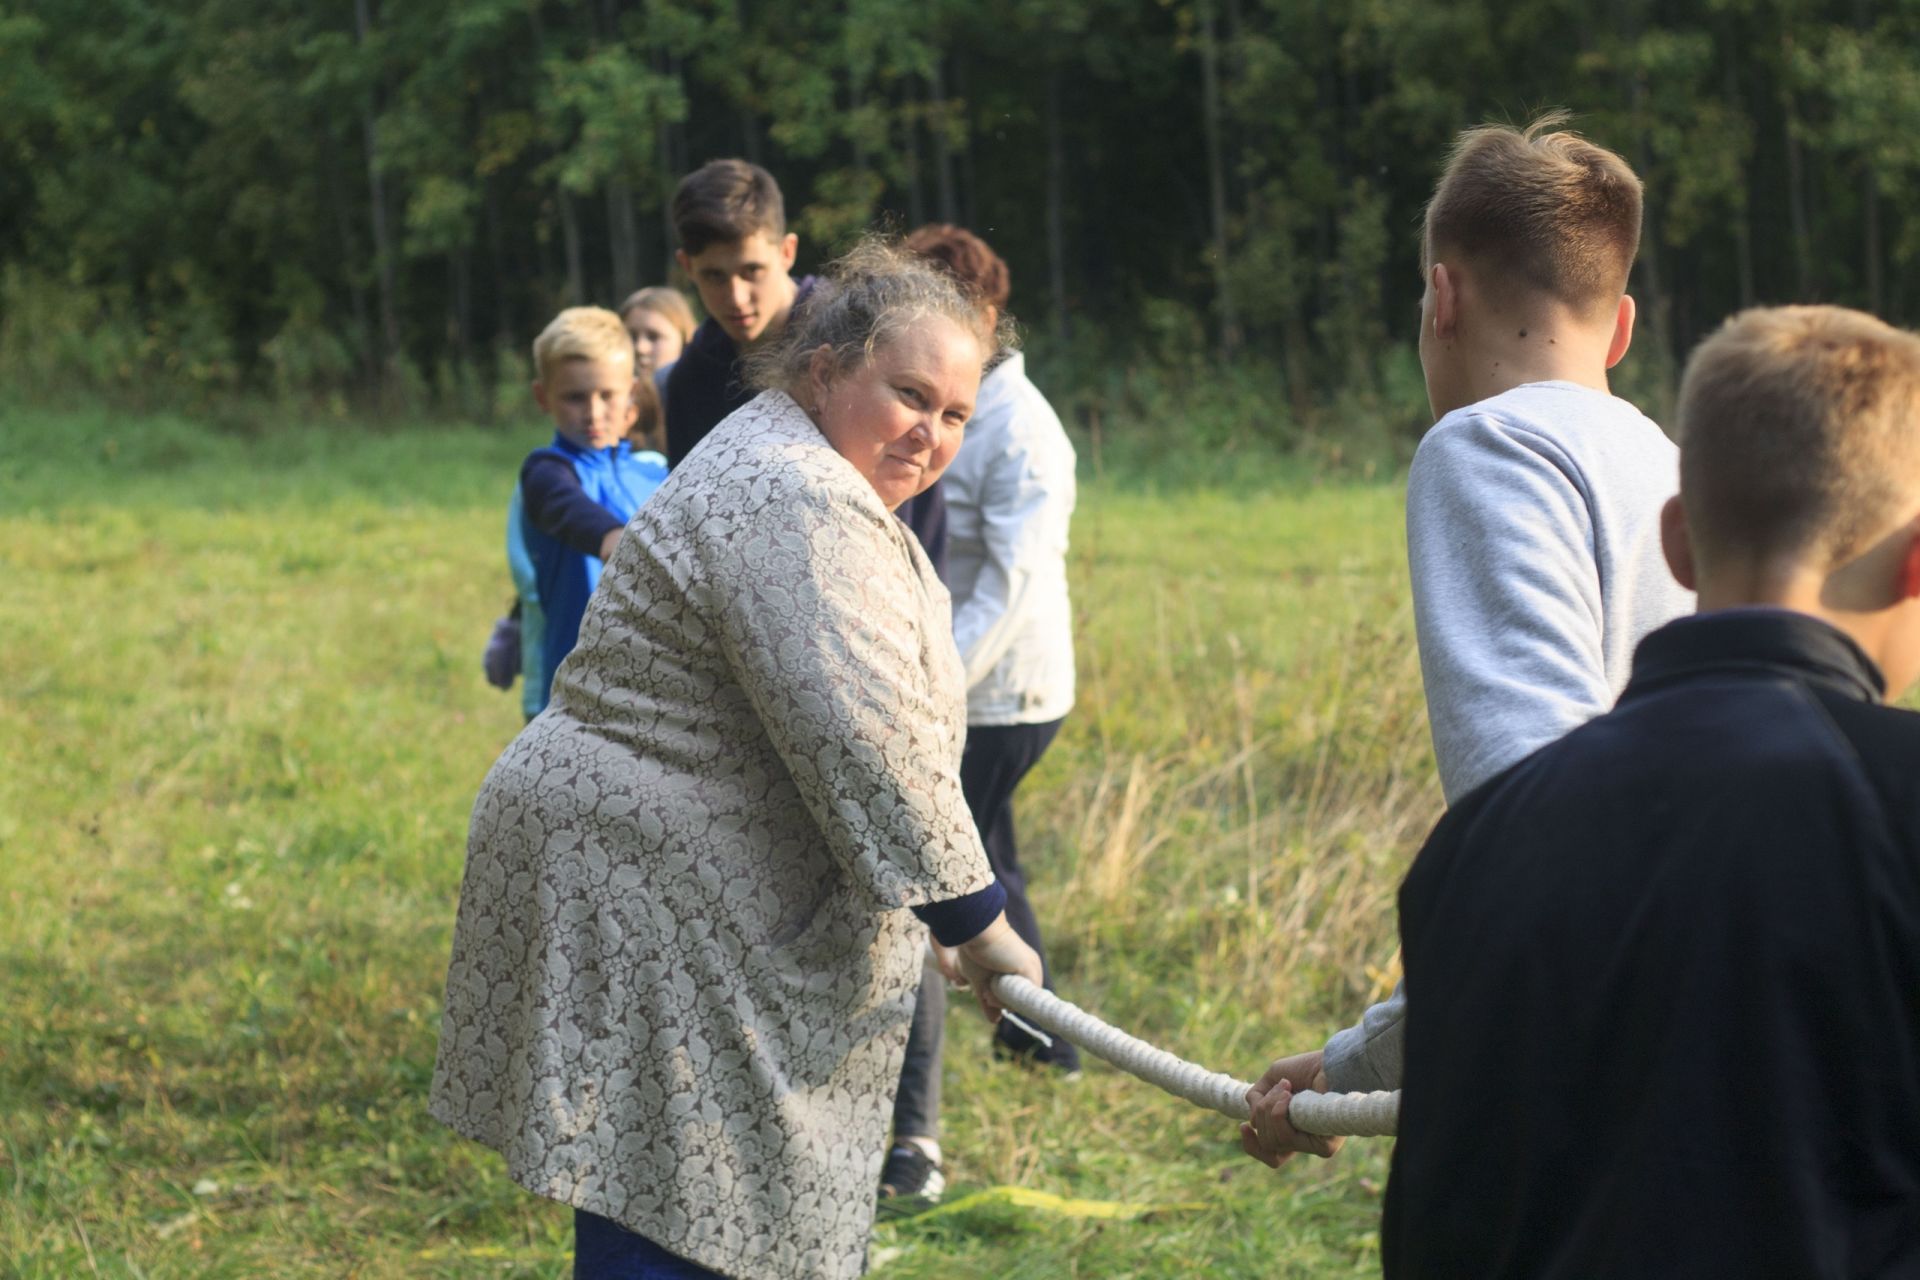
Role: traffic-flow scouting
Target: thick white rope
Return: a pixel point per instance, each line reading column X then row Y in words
column 1349, row 1114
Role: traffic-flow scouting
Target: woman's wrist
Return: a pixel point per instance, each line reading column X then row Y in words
column 996, row 930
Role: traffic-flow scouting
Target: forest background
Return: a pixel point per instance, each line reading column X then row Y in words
column 264, row 265
column 1209, row 204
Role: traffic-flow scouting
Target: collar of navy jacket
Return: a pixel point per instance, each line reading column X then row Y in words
column 1758, row 640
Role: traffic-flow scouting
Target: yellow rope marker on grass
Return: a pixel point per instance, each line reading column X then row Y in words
column 1047, row 1202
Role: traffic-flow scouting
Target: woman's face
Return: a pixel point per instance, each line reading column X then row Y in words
column 900, row 418
column 656, row 343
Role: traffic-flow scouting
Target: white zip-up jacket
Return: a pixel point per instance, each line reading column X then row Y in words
column 1010, row 495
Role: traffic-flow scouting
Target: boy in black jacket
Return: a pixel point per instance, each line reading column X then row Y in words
column 731, row 221
column 1668, row 968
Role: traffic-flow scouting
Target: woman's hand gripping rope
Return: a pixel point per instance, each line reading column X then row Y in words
column 977, row 962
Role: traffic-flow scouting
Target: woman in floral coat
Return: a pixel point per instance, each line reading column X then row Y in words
column 687, row 947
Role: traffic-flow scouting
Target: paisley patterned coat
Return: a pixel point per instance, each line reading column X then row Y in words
column 682, row 970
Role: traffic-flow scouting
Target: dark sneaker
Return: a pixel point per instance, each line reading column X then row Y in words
column 910, row 1179
column 1014, row 1043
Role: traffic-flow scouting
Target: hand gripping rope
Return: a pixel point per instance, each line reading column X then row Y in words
column 1349, row 1114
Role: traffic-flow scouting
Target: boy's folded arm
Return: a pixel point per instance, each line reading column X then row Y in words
column 559, row 507
column 1506, row 597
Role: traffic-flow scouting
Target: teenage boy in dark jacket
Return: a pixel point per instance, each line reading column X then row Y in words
column 731, row 221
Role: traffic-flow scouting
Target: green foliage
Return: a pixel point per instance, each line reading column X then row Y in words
column 376, row 199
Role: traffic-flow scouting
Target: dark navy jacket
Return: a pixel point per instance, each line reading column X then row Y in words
column 573, row 497
column 707, row 383
column 1663, row 982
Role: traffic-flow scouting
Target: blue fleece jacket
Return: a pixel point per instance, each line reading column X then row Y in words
column 572, row 498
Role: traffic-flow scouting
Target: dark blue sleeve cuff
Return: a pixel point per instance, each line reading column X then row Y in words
column 559, row 507
column 959, row 920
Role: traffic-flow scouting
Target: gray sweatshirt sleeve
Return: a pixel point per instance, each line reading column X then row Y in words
column 1369, row 1056
column 1506, row 596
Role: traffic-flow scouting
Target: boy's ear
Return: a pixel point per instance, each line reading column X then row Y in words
column 789, row 249
column 1446, row 301
column 1678, row 543
column 686, row 263
column 540, row 396
column 1909, row 583
column 1623, row 318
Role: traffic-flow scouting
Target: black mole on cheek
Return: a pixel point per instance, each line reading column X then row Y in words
column 1523, row 333
column 1553, row 342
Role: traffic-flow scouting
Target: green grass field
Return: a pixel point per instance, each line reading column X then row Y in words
column 241, row 723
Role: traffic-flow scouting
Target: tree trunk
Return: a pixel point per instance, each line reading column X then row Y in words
column 1658, row 312
column 459, row 306
column 1797, row 214
column 377, row 202
column 669, row 171
column 501, row 272
column 459, row 313
column 570, row 236
column 1743, row 205
column 1056, row 215
column 1870, row 213
column 1870, row 196
column 856, row 99
column 1796, row 183
column 916, row 194
column 750, row 136
column 677, row 130
column 497, row 259
column 349, row 257
column 969, row 174
column 942, row 151
column 1299, row 357
column 1217, row 183
column 749, row 127
column 623, row 239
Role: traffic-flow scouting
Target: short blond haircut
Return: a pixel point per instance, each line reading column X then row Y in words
column 581, row 333
column 669, row 304
column 1799, row 435
column 1541, row 210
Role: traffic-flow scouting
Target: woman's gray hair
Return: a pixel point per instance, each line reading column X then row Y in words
column 868, row 297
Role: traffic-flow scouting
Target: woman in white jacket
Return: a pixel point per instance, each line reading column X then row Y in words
column 1010, row 494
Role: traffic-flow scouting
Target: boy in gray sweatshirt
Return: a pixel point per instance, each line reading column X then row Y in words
column 1533, row 505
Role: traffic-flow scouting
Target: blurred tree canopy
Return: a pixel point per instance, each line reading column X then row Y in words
column 370, row 195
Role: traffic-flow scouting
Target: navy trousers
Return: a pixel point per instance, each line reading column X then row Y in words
column 997, row 757
column 605, row 1250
